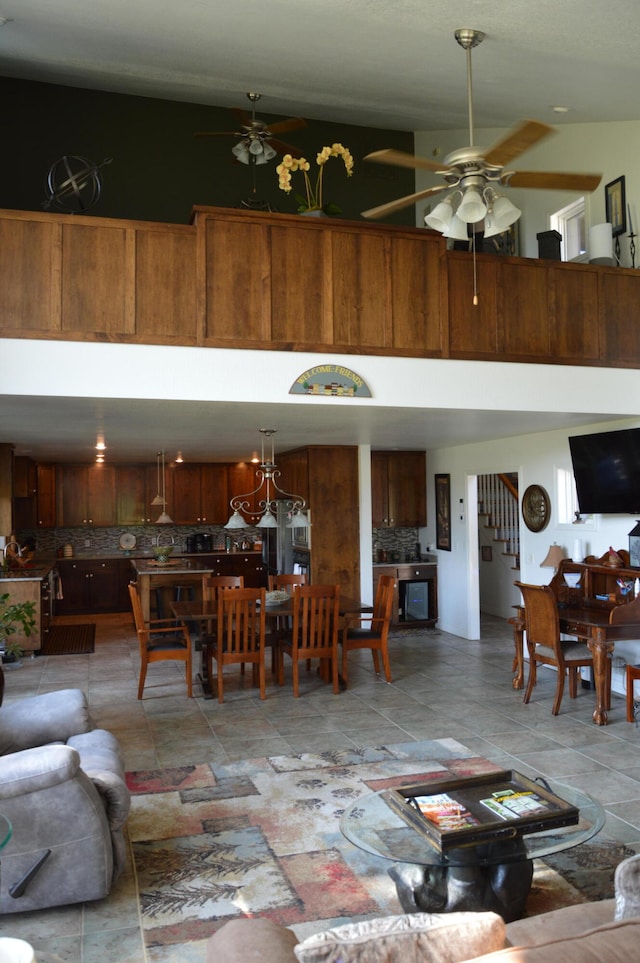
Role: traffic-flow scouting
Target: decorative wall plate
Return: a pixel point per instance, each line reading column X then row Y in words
column 127, row 541
column 536, row 508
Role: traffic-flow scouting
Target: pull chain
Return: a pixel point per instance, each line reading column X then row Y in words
column 475, row 276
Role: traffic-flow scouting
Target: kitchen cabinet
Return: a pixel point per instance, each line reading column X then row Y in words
column 406, row 575
column 46, row 496
column 248, row 565
column 200, row 494
column 90, row 586
column 242, row 479
column 399, row 489
column 25, row 478
column 86, row 495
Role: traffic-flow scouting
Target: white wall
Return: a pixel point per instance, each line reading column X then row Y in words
column 609, row 149
column 535, row 457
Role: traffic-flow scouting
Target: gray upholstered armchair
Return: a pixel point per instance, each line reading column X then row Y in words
column 62, row 787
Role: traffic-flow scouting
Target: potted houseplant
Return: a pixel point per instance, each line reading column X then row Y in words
column 312, row 202
column 14, row 617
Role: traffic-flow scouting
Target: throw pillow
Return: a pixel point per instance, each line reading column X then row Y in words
column 413, row 938
column 627, row 887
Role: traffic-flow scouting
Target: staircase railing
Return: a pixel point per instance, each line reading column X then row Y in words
column 498, row 500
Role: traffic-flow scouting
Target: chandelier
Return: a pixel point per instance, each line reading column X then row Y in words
column 253, row 149
column 267, row 474
column 473, row 202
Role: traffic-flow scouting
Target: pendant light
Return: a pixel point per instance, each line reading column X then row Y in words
column 158, row 500
column 163, row 518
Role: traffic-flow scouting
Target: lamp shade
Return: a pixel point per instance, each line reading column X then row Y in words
column 440, row 217
column 457, row 229
column 236, row 520
column 553, row 557
column 472, row 208
column 164, row 519
column 268, row 520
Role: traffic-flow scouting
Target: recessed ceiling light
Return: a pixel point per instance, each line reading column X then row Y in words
column 559, row 109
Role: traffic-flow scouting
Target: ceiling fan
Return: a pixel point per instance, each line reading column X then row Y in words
column 475, row 175
column 258, row 143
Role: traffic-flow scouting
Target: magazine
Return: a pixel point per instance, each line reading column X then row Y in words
column 510, row 803
column 444, row 811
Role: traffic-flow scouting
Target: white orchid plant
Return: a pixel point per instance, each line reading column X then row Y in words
column 313, row 199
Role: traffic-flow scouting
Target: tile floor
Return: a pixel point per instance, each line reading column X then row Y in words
column 443, row 686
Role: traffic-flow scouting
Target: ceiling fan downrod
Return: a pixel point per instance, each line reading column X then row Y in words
column 468, row 39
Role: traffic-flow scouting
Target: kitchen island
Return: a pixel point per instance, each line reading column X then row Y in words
column 151, row 575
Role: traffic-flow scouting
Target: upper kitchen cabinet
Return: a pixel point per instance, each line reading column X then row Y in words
column 86, row 495
column 399, row 489
column 242, row 480
column 199, row 494
column 46, row 496
column 294, row 473
column 25, row 477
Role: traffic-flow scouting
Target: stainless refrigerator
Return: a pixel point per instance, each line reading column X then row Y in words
column 277, row 543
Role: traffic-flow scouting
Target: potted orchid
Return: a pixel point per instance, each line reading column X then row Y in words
column 313, row 199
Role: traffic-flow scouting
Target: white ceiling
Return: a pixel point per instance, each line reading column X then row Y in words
column 381, row 63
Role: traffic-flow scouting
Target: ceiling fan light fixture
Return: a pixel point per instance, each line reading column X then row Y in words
column 440, row 217
column 505, row 212
column 457, row 229
column 241, row 152
column 471, row 208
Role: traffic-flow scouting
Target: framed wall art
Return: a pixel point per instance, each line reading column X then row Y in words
column 443, row 512
column 616, row 206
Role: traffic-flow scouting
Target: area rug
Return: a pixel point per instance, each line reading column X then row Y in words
column 261, row 837
column 70, row 640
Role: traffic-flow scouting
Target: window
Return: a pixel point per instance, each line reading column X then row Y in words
column 567, row 501
column 569, row 222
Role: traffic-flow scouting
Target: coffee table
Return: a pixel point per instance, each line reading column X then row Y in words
column 492, row 875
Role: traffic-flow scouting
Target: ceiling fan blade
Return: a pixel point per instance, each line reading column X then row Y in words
column 400, row 159
column 392, row 206
column 217, row 133
column 283, row 148
column 553, row 181
column 516, row 142
column 293, row 123
column 244, row 118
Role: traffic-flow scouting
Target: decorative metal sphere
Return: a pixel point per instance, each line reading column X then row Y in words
column 74, row 184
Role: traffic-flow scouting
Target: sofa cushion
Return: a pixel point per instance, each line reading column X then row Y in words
column 613, row 943
column 412, row 938
column 561, row 923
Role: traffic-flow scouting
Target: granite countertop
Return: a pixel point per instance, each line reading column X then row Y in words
column 176, row 566
column 33, row 573
column 113, row 553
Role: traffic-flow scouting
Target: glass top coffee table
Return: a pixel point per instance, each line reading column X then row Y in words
column 494, row 875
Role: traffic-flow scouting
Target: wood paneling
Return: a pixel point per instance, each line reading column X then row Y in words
column 416, row 295
column 253, row 279
column 29, row 275
column 298, row 271
column 166, row 300
column 237, row 279
column 573, row 314
column 361, row 289
column 95, row 275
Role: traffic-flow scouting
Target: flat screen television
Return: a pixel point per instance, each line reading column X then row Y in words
column 606, row 468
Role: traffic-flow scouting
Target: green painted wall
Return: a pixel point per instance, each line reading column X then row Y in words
column 159, row 170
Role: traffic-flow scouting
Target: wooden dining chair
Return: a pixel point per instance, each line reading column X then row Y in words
column 371, row 630
column 285, row 582
column 160, row 640
column 240, row 635
column 314, row 634
column 542, row 628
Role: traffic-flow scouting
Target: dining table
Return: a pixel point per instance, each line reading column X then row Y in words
column 200, row 611
column 592, row 625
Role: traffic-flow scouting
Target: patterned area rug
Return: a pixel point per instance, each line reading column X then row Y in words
column 261, row 837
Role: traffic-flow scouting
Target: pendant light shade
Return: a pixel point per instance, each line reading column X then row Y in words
column 471, row 208
column 163, row 518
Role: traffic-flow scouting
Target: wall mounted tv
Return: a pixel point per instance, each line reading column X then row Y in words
column 606, row 467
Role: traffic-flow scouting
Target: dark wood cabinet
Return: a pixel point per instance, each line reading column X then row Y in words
column 25, row 477
column 86, row 495
column 236, row 563
column 399, row 489
column 199, row 494
column 133, row 495
column 242, row 480
column 46, row 497
column 89, row 586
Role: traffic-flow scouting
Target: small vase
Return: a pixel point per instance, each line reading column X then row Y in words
column 313, row 212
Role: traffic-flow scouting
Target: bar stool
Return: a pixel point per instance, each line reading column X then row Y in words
column 633, row 674
column 186, row 591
